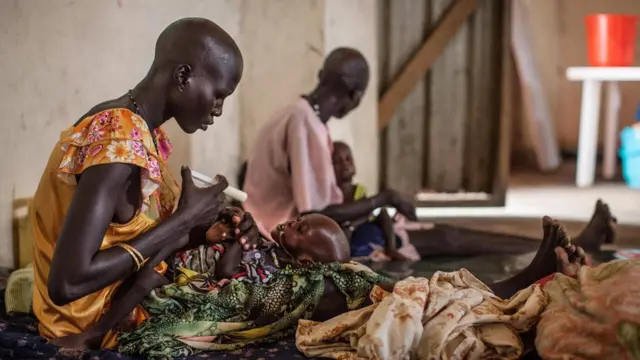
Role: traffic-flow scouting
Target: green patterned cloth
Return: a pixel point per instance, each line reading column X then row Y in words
column 184, row 321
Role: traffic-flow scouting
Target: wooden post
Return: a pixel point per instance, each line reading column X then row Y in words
column 484, row 96
column 404, row 137
column 448, row 109
column 507, row 85
column 417, row 67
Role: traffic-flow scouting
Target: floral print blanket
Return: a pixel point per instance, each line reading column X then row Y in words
column 453, row 315
column 596, row 314
column 593, row 316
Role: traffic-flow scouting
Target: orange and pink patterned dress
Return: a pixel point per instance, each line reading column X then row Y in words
column 110, row 136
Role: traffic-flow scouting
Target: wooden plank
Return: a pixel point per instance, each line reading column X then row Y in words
column 484, row 96
column 507, row 112
column 408, row 26
column 383, row 66
column 491, row 202
column 537, row 109
column 419, row 64
column 448, row 110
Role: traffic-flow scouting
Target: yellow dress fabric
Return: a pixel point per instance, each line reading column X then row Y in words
column 360, row 192
column 110, row 136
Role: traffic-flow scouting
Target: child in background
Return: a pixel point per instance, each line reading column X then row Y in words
column 375, row 237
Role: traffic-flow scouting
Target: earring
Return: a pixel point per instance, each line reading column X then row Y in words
column 180, row 88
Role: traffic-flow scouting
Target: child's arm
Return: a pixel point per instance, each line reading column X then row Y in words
column 386, row 224
column 229, row 263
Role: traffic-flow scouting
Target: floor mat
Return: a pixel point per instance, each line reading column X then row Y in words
column 19, row 339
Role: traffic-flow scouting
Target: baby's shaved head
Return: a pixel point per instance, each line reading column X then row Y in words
column 331, row 242
column 314, row 237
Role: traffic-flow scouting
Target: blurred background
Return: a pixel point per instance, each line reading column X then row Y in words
column 469, row 108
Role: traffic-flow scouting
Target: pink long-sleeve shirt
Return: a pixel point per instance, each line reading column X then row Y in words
column 289, row 169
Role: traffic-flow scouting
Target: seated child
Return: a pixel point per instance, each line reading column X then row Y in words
column 375, row 237
column 208, row 268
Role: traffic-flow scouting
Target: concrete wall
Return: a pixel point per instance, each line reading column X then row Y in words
column 354, row 23
column 282, row 42
column 60, row 57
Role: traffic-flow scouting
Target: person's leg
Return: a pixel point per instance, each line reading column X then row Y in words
column 132, row 291
column 384, row 221
column 556, row 254
column 445, row 240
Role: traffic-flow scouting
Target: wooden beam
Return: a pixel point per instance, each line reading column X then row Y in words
column 507, row 86
column 418, row 66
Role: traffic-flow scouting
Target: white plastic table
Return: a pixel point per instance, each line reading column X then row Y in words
column 592, row 79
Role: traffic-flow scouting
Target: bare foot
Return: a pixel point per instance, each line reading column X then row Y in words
column 395, row 255
column 544, row 262
column 600, row 230
column 82, row 341
column 569, row 260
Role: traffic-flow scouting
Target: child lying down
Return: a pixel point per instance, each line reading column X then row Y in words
column 273, row 287
column 208, row 269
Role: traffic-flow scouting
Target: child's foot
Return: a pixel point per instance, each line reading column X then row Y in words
column 82, row 341
column 396, row 256
column 600, row 230
column 554, row 236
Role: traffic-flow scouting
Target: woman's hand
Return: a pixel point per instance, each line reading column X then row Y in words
column 234, row 223
column 201, row 205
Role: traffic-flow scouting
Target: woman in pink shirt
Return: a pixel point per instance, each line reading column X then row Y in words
column 290, row 172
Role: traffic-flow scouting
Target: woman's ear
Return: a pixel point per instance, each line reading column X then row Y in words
column 182, row 75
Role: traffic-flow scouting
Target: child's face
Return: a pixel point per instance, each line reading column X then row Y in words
column 343, row 164
column 312, row 237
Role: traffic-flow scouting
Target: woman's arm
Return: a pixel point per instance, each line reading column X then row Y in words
column 79, row 267
column 355, row 210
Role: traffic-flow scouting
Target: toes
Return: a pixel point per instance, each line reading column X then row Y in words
column 580, row 256
column 548, row 231
column 561, row 257
column 563, row 237
column 571, row 250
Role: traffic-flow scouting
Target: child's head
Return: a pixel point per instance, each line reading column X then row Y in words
column 343, row 164
column 313, row 237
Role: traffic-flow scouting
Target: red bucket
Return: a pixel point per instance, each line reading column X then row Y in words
column 611, row 39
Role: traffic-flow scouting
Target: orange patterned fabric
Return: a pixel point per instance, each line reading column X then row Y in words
column 110, row 136
column 120, row 136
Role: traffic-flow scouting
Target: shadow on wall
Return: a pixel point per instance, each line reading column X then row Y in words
column 242, row 174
